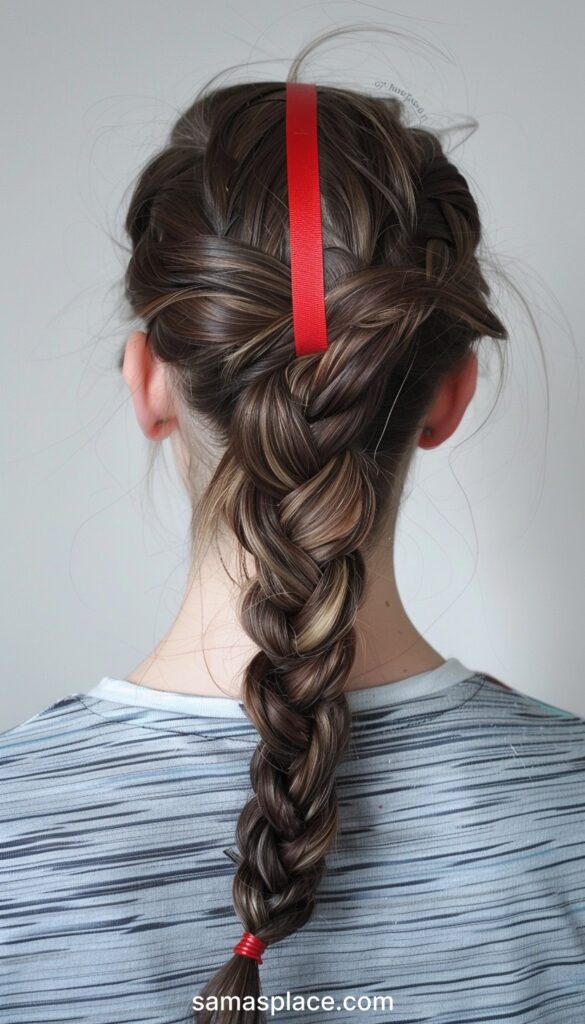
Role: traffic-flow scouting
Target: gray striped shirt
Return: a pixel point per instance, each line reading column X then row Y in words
column 456, row 885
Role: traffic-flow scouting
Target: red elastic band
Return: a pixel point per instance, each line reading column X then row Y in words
column 250, row 945
column 304, row 204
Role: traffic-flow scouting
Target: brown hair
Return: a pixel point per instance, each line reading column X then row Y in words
column 309, row 453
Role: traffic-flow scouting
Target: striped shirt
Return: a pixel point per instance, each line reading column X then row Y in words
column 456, row 885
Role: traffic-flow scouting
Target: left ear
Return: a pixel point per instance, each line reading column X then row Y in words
column 145, row 377
column 450, row 402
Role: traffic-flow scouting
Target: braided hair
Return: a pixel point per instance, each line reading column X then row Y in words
column 309, row 452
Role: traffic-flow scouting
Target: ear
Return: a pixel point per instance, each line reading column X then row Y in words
column 145, row 377
column 451, row 400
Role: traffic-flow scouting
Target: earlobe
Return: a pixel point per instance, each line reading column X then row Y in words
column 145, row 377
column 426, row 438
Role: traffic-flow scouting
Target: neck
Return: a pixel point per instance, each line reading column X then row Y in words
column 206, row 650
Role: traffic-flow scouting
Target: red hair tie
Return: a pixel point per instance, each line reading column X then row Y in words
column 250, row 945
column 304, row 205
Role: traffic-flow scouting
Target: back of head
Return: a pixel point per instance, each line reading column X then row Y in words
column 309, row 453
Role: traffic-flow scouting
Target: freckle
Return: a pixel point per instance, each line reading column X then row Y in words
column 387, row 603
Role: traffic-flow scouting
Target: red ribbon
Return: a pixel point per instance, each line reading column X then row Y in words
column 250, row 945
column 304, row 204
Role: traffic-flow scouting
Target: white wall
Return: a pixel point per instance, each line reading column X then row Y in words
column 490, row 554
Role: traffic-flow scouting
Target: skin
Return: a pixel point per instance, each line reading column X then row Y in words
column 205, row 649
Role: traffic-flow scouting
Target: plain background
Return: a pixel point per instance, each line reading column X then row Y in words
column 490, row 554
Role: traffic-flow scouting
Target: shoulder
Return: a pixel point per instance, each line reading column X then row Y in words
column 43, row 736
column 503, row 721
column 522, row 708
column 56, row 716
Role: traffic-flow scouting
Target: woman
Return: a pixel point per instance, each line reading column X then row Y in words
column 409, row 839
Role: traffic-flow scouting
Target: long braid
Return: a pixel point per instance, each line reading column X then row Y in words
column 301, row 605
column 311, row 508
